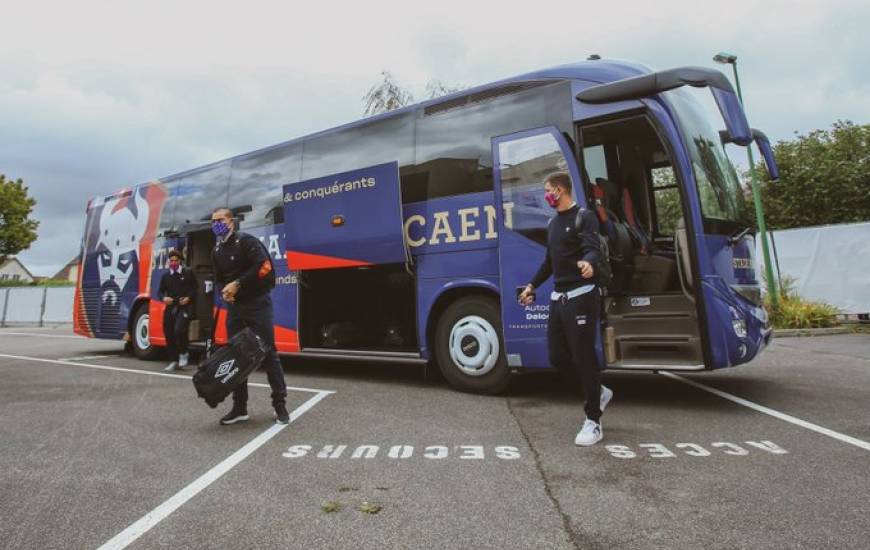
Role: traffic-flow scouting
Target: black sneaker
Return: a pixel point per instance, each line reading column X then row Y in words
column 281, row 415
column 237, row 414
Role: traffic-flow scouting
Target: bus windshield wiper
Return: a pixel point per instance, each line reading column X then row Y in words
column 737, row 237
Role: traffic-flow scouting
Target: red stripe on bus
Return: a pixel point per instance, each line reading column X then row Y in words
column 156, row 334
column 297, row 261
column 286, row 340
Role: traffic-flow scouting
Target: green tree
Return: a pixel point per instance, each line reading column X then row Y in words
column 388, row 95
column 385, row 96
column 17, row 229
column 824, row 178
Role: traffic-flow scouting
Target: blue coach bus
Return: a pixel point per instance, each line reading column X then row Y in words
column 405, row 235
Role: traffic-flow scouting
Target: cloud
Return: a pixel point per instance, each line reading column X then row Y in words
column 99, row 95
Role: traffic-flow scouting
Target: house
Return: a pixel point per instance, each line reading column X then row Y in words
column 69, row 272
column 13, row 270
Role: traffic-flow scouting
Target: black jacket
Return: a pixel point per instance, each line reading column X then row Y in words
column 243, row 258
column 178, row 285
column 567, row 245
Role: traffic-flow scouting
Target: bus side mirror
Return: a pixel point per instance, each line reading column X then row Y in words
column 767, row 152
column 764, row 147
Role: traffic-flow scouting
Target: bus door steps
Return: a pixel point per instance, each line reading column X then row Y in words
column 665, row 347
column 656, row 364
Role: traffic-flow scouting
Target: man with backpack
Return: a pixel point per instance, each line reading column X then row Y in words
column 574, row 259
column 245, row 276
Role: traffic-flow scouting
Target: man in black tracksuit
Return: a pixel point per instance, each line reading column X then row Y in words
column 573, row 254
column 242, row 271
column 178, row 291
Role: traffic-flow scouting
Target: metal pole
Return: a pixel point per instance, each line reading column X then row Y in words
column 776, row 259
column 759, row 209
column 42, row 308
column 5, row 308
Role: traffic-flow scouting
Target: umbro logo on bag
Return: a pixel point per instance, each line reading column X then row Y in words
column 224, row 368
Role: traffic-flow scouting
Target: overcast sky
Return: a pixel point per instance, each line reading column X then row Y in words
column 95, row 96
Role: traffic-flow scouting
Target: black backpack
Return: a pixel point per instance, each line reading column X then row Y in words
column 604, row 269
column 224, row 369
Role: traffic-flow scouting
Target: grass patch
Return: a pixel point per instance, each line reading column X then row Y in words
column 331, row 506
column 370, row 507
column 797, row 312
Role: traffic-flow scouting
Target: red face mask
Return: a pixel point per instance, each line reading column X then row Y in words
column 173, row 264
column 551, row 199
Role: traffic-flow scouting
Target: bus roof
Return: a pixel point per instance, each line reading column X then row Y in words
column 594, row 71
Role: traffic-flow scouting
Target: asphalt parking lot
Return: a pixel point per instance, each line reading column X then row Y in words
column 100, row 449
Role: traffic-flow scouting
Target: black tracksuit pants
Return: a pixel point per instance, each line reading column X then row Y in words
column 572, row 334
column 176, row 320
column 257, row 314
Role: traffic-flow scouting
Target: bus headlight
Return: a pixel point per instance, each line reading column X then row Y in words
column 739, row 327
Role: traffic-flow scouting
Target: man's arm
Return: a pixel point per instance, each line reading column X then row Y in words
column 161, row 290
column 189, row 292
column 260, row 264
column 218, row 274
column 544, row 271
column 587, row 234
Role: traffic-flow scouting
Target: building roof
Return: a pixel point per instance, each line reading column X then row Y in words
column 62, row 274
column 11, row 259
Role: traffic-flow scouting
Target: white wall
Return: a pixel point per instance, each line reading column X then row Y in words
column 24, row 305
column 829, row 263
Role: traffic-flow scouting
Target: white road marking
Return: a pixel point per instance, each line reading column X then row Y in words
column 776, row 414
column 86, row 357
column 155, row 516
column 138, row 371
column 7, row 333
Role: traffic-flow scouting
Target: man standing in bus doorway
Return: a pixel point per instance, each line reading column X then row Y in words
column 245, row 272
column 177, row 290
column 573, row 254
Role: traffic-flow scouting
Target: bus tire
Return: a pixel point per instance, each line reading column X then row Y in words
column 142, row 347
column 469, row 347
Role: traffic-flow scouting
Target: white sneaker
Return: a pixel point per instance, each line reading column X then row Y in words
column 606, row 396
column 171, row 367
column 183, row 358
column 589, row 434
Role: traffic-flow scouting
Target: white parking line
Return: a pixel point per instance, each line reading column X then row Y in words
column 86, row 357
column 776, row 414
column 138, row 371
column 155, row 516
column 6, row 333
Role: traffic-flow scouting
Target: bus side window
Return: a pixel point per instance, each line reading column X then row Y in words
column 255, row 179
column 595, row 163
column 666, row 197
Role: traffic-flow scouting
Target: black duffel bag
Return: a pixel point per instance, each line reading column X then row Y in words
column 228, row 366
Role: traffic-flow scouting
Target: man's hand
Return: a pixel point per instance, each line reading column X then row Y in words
column 585, row 269
column 527, row 296
column 168, row 301
column 229, row 292
column 184, row 301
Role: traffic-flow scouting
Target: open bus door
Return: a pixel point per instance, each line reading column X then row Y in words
column 523, row 161
column 344, row 236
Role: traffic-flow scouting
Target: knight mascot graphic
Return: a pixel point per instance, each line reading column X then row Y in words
column 116, row 263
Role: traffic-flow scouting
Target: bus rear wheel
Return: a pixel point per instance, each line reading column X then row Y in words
column 469, row 347
column 142, row 346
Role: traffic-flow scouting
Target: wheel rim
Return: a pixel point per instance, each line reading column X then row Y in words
column 474, row 346
column 142, row 341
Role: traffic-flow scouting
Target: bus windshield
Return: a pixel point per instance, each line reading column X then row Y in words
column 719, row 190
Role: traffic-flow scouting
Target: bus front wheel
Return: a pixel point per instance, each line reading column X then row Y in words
column 142, row 346
column 469, row 347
